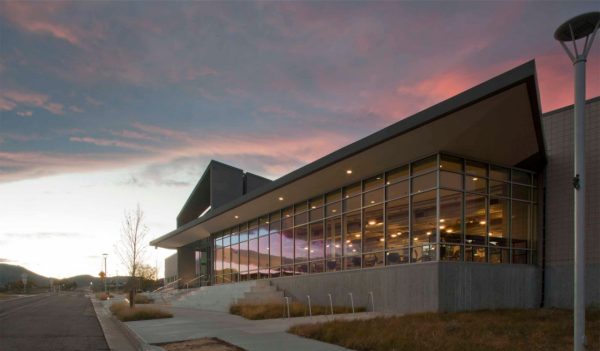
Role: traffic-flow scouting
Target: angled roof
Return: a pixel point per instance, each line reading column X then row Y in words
column 496, row 121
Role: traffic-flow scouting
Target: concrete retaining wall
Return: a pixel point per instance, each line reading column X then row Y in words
column 423, row 287
column 404, row 288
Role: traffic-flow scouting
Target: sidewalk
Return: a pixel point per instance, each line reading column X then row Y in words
column 264, row 335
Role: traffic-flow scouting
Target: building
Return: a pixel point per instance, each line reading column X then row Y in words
column 465, row 205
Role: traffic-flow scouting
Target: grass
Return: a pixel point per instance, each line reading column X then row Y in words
column 5, row 296
column 274, row 310
column 515, row 330
column 124, row 313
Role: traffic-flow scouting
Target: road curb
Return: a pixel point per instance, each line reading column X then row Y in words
column 109, row 323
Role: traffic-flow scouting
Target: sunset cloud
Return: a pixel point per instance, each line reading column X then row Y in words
column 10, row 99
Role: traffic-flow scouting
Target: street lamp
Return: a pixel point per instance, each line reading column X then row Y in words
column 582, row 26
column 105, row 274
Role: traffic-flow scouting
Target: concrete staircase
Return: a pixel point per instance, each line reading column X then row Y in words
column 221, row 297
column 262, row 292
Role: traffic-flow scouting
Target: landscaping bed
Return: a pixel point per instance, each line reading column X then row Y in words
column 126, row 314
column 515, row 330
column 203, row 344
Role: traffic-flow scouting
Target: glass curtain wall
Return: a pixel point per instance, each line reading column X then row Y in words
column 441, row 207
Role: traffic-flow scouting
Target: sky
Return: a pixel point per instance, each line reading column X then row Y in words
column 106, row 105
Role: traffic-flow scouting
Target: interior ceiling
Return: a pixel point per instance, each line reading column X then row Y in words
column 498, row 129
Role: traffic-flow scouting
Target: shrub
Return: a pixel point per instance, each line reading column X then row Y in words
column 103, row 296
column 275, row 310
column 143, row 299
column 124, row 313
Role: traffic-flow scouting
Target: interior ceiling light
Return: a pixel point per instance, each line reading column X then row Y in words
column 236, row 216
column 348, row 171
column 280, row 198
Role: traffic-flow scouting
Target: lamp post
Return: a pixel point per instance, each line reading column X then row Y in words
column 582, row 26
column 105, row 274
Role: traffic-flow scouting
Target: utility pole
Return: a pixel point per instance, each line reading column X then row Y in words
column 105, row 273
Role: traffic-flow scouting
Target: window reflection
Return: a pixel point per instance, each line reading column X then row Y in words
column 423, row 218
column 475, row 219
column 374, row 239
column 352, row 239
column 397, row 223
column 450, row 223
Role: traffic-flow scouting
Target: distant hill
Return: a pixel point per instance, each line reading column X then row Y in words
column 10, row 273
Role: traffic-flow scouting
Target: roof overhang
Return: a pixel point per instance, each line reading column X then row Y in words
column 497, row 121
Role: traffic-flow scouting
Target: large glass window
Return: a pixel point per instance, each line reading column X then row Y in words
column 480, row 213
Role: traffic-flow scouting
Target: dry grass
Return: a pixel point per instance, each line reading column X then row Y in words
column 274, row 310
column 515, row 330
column 125, row 313
column 4, row 296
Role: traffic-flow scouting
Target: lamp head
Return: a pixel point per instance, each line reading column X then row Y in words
column 577, row 27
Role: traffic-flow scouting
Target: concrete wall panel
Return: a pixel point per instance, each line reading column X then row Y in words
column 473, row 286
column 558, row 133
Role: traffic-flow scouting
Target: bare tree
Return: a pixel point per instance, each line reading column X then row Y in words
column 132, row 246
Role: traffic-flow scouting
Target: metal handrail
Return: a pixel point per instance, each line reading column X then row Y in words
column 187, row 284
column 165, row 286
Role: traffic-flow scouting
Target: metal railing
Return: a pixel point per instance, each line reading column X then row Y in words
column 164, row 287
column 198, row 278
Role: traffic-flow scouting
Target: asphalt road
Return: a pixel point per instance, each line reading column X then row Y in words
column 50, row 322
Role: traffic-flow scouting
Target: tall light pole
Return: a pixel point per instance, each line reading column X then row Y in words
column 582, row 26
column 105, row 274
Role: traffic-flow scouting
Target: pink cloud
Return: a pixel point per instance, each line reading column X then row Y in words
column 6, row 105
column 110, row 142
column 34, row 17
column 131, row 134
column 165, row 132
column 10, row 99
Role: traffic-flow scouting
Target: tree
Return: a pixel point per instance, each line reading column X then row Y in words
column 132, row 246
column 147, row 276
